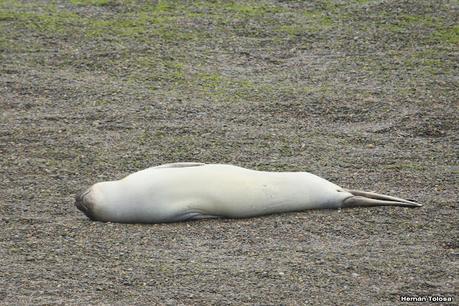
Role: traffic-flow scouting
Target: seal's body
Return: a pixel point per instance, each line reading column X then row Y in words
column 189, row 191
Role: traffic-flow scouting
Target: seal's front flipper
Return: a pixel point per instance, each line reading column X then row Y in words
column 367, row 199
column 179, row 165
column 191, row 216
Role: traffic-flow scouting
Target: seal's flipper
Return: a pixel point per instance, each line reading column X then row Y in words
column 367, row 199
column 179, row 165
column 190, row 216
column 378, row 196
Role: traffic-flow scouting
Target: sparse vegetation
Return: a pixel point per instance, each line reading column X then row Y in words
column 360, row 92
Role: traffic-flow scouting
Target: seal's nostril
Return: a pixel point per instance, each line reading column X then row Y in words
column 85, row 204
column 79, row 200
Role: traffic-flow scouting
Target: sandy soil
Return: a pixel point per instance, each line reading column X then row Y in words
column 363, row 93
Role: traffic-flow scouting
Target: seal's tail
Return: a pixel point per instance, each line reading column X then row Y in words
column 367, row 199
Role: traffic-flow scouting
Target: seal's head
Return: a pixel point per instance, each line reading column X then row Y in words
column 103, row 201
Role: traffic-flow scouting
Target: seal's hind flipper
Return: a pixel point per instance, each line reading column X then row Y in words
column 367, row 199
column 179, row 165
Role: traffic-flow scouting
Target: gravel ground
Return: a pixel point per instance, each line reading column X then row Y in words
column 363, row 93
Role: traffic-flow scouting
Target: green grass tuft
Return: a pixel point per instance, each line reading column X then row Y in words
column 450, row 35
column 90, row 2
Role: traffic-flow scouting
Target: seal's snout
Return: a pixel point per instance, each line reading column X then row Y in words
column 82, row 203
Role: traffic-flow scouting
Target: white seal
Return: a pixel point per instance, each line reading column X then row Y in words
column 190, row 191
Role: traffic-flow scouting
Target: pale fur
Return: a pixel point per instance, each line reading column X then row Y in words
column 187, row 191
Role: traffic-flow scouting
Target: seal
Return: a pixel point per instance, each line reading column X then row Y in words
column 191, row 191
